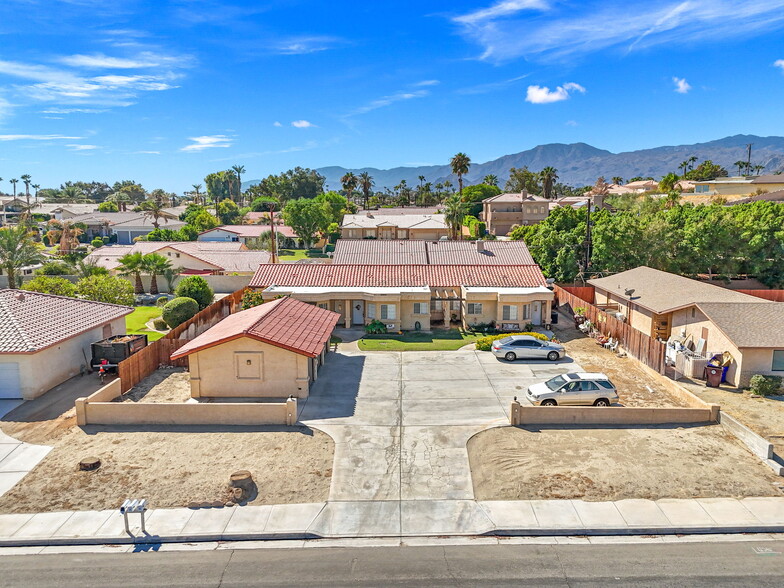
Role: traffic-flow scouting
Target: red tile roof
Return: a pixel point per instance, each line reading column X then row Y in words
column 30, row 321
column 288, row 323
column 434, row 276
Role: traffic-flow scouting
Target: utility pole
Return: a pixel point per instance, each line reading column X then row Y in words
column 588, row 235
column 274, row 242
column 748, row 159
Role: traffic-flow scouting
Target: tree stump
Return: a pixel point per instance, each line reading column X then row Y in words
column 242, row 486
column 89, row 464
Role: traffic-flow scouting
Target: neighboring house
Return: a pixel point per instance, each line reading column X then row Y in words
column 596, row 200
column 501, row 213
column 194, row 257
column 415, row 297
column 10, row 209
column 406, row 210
column 777, row 196
column 642, row 186
column 418, row 252
column 749, row 331
column 126, row 225
column 617, row 189
column 740, row 185
column 647, row 298
column 245, row 234
column 45, row 339
column 372, row 225
column 268, row 351
column 65, row 211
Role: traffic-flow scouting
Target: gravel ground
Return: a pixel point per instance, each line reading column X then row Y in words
column 165, row 385
column 515, row 463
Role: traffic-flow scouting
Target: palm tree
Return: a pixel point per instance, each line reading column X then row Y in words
column 758, row 168
column 617, row 180
column 455, row 211
column 171, row 275
column 548, row 177
column 239, row 170
column 684, row 166
column 154, row 210
column 349, row 182
column 14, row 181
column 26, row 179
column 667, row 183
column 71, row 194
column 366, row 183
column 740, row 164
column 132, row 265
column 460, row 164
column 155, row 265
column 490, row 180
column 65, row 233
column 88, row 267
column 17, row 250
column 692, row 160
column 672, row 198
column 448, row 186
column 197, row 194
column 36, row 187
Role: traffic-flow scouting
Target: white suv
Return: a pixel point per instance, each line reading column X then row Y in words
column 586, row 389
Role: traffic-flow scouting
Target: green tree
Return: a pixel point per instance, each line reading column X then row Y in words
column 474, row 195
column 108, row 207
column 197, row 195
column 109, row 289
column 707, row 170
column 336, row 205
column 521, row 179
column 548, row 177
column 366, row 184
column 17, row 250
column 197, row 288
column 50, row 285
column 349, row 181
column 307, row 217
column 490, row 180
column 239, row 170
column 154, row 265
column 229, row 213
column 667, row 183
column 178, row 310
column 294, row 183
column 154, row 210
column 132, row 265
column 617, row 180
column 460, row 164
column 454, row 212
column 218, row 187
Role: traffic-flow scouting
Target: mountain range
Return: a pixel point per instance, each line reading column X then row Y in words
column 579, row 164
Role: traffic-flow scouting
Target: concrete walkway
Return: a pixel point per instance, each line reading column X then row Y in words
column 17, row 459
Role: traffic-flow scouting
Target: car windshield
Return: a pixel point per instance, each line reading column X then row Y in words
column 555, row 383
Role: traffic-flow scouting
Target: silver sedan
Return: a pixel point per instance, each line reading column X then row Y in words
column 527, row 347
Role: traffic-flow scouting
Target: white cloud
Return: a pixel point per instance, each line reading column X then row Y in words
column 681, row 85
column 303, row 45
column 779, row 63
column 424, row 83
column 38, row 138
column 80, row 147
column 579, row 28
column 74, row 110
column 101, row 61
column 277, row 124
column 543, row 94
column 147, row 152
column 302, row 124
column 207, row 142
column 503, row 8
column 572, row 123
column 388, row 100
column 491, row 87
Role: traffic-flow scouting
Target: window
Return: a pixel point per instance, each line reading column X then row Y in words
column 324, row 305
column 371, row 311
column 510, row 313
column 370, row 233
column 401, row 234
column 420, row 308
column 435, row 306
column 474, row 308
column 387, row 312
column 693, row 312
column 526, row 312
column 589, row 387
column 778, row 361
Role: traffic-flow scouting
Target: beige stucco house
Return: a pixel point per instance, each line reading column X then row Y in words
column 502, row 212
column 46, row 339
column 740, row 185
column 372, row 225
column 269, row 351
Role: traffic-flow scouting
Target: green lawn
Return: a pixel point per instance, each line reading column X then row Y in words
column 439, row 340
column 294, row 254
column 135, row 322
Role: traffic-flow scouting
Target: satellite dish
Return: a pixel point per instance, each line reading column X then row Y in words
column 629, row 292
column 550, row 281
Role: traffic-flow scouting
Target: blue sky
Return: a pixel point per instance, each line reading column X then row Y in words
column 165, row 92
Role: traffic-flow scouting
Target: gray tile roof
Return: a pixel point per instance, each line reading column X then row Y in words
column 371, row 220
column 30, row 321
column 394, row 252
column 751, row 324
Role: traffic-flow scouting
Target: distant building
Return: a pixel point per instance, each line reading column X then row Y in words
column 126, row 225
column 245, row 234
column 371, row 225
column 501, row 213
column 740, row 186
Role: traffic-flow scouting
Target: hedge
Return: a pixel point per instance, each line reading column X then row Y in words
column 179, row 310
column 486, row 343
column 197, row 288
column 765, row 385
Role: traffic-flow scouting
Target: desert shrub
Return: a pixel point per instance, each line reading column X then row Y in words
column 50, row 285
column 375, row 327
column 251, row 298
column 105, row 289
column 161, row 301
column 160, row 324
column 765, row 385
column 54, row 268
column 179, row 310
column 485, row 343
column 97, row 242
column 197, row 288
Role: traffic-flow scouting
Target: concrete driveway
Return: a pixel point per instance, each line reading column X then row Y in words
column 401, row 421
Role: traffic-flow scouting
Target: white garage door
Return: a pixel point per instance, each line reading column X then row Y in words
column 10, row 386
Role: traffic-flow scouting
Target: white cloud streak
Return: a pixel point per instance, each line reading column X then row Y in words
column 38, row 138
column 681, row 85
column 304, row 45
column 504, row 8
column 277, row 123
column 100, row 61
column 387, row 101
column 543, row 94
column 82, row 147
column 779, row 63
column 302, row 124
column 207, row 142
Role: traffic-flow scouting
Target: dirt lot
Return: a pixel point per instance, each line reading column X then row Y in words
column 172, row 468
column 765, row 416
column 513, row 463
column 636, row 387
column 165, row 385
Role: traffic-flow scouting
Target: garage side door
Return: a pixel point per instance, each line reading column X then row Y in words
column 10, row 386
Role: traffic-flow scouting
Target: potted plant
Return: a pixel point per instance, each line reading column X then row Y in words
column 579, row 315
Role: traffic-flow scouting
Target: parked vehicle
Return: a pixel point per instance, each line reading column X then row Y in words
column 527, row 347
column 109, row 352
column 583, row 389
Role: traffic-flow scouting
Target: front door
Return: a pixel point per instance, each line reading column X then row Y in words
column 358, row 312
column 536, row 313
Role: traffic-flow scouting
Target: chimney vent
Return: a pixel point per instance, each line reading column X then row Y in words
column 19, row 296
column 480, row 246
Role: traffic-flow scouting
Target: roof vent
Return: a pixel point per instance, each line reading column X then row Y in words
column 480, row 246
column 19, row 296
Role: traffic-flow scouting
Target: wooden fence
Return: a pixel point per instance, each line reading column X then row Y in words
column 773, row 295
column 140, row 365
column 637, row 344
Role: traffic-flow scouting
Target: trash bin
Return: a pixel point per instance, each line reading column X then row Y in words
column 713, row 375
column 554, row 317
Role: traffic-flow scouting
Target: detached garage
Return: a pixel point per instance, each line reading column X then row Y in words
column 45, row 339
column 269, row 351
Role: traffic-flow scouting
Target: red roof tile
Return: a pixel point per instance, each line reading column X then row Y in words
column 288, row 323
column 434, row 276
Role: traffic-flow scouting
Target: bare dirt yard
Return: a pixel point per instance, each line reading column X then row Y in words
column 174, row 467
column 636, row 386
column 164, row 385
column 515, row 463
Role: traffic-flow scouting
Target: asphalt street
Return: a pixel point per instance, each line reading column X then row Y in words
column 677, row 564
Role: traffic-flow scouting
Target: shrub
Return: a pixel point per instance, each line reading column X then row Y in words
column 161, row 300
column 765, row 385
column 97, row 242
column 251, row 298
column 54, row 268
column 485, row 343
column 197, row 288
column 107, row 207
column 160, row 324
column 50, row 285
column 105, row 289
column 179, row 310
column 375, row 327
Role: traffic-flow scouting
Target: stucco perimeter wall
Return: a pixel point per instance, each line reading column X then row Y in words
column 214, row 371
column 624, row 416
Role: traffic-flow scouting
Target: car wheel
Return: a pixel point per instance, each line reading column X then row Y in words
column 552, row 356
column 601, row 402
column 549, row 403
column 510, row 356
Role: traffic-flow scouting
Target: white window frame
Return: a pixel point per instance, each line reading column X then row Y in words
column 421, row 308
column 371, row 311
column 509, row 312
column 386, row 315
column 474, row 308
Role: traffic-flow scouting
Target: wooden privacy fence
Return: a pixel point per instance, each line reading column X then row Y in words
column 773, row 295
column 647, row 350
column 140, row 365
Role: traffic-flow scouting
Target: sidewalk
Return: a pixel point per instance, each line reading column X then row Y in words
column 398, row 519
